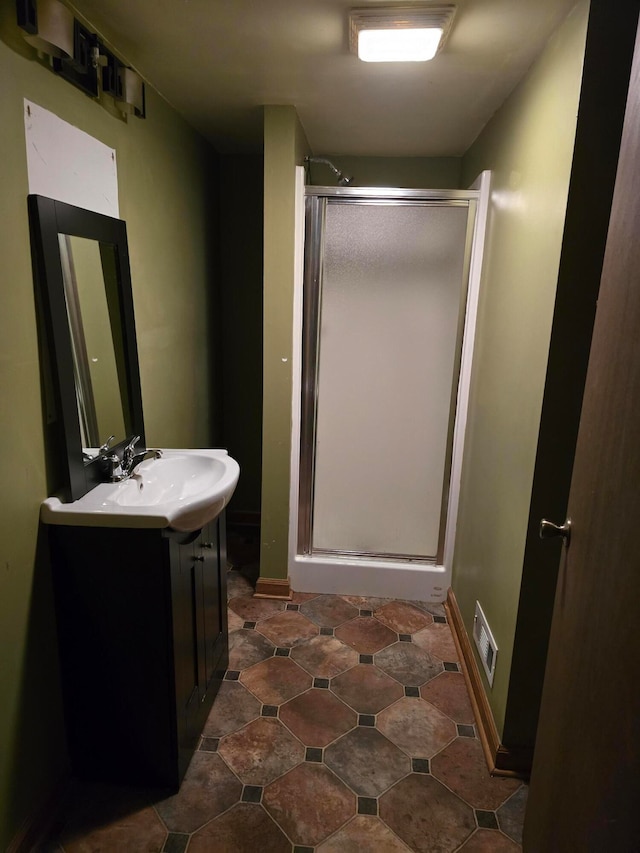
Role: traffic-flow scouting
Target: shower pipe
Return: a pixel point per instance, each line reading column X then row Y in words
column 343, row 180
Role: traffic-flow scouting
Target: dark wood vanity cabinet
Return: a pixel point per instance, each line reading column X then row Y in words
column 142, row 627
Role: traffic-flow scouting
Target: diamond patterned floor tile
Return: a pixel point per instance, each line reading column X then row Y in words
column 247, row 647
column 511, row 814
column 463, row 769
column 489, row 841
column 233, row 708
column 276, row 680
column 301, row 597
column 403, row 618
column 432, row 607
column 287, row 629
column 309, row 803
column 448, row 693
column 367, row 602
column 253, row 609
column 426, row 816
column 363, row 835
column 324, row 656
column 416, row 727
column 327, row 735
column 366, row 635
column 438, row 641
column 208, row 789
column 366, row 689
column 408, row 664
column 243, row 829
column 235, row 621
column 367, row 761
column 328, row 611
column 317, row 717
column 261, row 751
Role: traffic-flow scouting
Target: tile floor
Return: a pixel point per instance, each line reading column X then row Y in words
column 343, row 724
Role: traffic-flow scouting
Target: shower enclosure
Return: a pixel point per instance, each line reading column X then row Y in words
column 385, row 316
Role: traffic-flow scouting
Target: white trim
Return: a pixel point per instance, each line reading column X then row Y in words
column 482, row 183
column 385, row 578
column 296, row 365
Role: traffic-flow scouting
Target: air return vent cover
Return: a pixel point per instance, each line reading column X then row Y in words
column 487, row 647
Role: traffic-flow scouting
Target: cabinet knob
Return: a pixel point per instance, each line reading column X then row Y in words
column 207, row 544
column 198, row 559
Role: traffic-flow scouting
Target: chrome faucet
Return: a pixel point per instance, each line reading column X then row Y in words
column 131, row 459
column 122, row 469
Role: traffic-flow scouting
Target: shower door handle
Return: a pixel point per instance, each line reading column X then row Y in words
column 549, row 530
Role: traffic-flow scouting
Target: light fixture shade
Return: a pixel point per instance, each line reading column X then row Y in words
column 55, row 30
column 400, row 33
column 132, row 91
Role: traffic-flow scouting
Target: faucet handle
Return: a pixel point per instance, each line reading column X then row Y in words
column 129, row 448
column 128, row 452
column 103, row 449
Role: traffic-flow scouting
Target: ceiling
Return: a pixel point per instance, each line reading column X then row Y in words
column 219, row 61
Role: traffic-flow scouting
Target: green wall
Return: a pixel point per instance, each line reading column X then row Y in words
column 285, row 146
column 528, row 145
column 168, row 198
column 415, row 172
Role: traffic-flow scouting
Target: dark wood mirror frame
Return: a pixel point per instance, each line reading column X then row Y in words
column 47, row 219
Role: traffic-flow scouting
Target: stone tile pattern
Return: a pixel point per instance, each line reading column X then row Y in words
column 339, row 734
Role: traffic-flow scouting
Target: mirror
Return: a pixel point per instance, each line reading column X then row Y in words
column 81, row 269
column 93, row 310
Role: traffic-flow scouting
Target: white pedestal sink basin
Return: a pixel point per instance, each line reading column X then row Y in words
column 183, row 489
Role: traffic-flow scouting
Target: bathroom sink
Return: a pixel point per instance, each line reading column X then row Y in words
column 183, row 489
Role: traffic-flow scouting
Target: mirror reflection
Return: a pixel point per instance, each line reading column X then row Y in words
column 93, row 309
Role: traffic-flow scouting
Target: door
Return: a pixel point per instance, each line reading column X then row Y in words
column 385, row 294
column 585, row 785
column 207, row 551
column 188, row 661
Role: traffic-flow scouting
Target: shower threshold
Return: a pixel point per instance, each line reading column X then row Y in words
column 372, row 555
column 410, row 579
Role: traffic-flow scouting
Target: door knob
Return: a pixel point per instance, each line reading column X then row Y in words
column 549, row 530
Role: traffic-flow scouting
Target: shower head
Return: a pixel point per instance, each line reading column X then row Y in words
column 343, row 180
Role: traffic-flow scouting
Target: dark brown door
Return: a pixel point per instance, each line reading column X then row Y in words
column 585, row 785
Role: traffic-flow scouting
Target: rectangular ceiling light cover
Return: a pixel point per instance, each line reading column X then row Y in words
column 400, row 33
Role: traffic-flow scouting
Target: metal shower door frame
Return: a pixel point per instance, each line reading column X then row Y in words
column 316, row 201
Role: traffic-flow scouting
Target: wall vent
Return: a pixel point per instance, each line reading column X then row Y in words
column 487, row 648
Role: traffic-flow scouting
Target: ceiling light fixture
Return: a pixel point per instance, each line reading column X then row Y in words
column 400, row 33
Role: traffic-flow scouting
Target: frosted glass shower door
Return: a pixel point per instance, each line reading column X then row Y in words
column 388, row 351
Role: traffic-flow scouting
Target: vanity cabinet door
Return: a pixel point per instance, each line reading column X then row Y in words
column 186, row 612
column 115, row 622
column 214, row 610
column 198, row 571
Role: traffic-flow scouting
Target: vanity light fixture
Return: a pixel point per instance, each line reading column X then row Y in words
column 131, row 92
column 399, row 33
column 48, row 26
column 78, row 55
